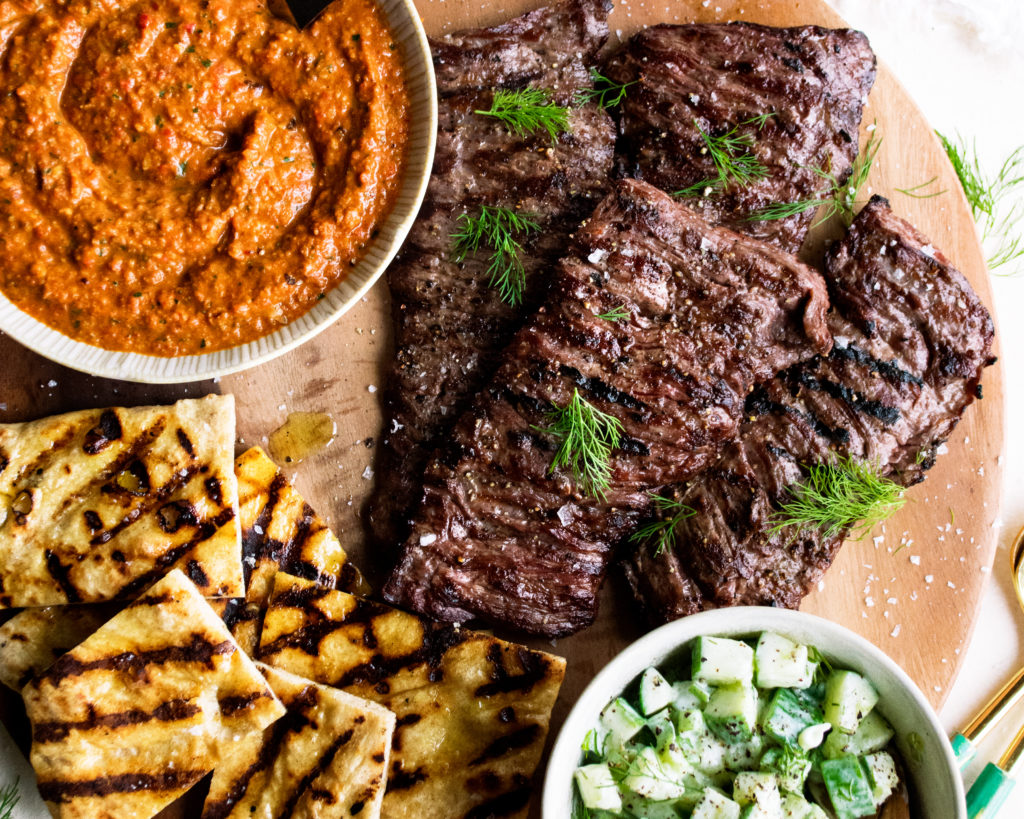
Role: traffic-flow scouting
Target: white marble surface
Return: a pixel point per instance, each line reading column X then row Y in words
column 963, row 63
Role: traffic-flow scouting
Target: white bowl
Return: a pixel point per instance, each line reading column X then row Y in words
column 419, row 73
column 937, row 787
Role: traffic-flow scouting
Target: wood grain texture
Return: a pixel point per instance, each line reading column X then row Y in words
column 877, row 588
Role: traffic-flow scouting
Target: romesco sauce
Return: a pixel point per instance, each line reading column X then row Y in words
column 180, row 176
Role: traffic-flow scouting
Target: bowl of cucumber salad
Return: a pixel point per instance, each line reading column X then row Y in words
column 752, row 713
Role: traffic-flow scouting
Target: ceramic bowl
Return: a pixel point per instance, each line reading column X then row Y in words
column 419, row 71
column 937, row 787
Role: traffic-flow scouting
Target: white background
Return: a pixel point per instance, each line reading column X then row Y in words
column 963, row 62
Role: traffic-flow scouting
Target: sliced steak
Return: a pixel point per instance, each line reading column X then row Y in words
column 718, row 76
column 711, row 313
column 450, row 325
column 911, row 340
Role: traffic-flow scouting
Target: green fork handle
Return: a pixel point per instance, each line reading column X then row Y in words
column 964, row 743
column 989, row 791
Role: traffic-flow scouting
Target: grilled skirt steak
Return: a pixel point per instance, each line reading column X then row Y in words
column 911, row 340
column 711, row 313
column 450, row 325
column 717, row 77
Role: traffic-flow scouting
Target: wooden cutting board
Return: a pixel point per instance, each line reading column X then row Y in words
column 913, row 589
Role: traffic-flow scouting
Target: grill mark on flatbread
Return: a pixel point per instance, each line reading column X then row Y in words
column 232, row 705
column 185, row 441
column 170, row 711
column 44, row 458
column 151, row 502
column 255, row 537
column 134, row 450
column 213, row 490
column 207, row 529
column 196, row 574
column 508, row 743
column 506, row 804
column 62, row 790
column 237, row 610
column 321, row 765
column 293, row 722
column 107, row 430
column 199, row 650
column 402, row 780
column 535, row 669
column 62, row 575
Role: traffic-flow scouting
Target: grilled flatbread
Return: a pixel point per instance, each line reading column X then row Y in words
column 326, row 758
column 473, row 711
column 129, row 720
column 33, row 639
column 281, row 532
column 97, row 505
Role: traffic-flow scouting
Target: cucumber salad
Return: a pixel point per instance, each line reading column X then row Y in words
column 763, row 729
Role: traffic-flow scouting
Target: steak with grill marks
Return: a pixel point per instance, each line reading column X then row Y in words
column 911, row 341
column 717, row 76
column 450, row 325
column 497, row 534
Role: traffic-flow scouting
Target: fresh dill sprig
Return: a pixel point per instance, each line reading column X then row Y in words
column 822, row 667
column 837, row 495
column 497, row 229
column 841, row 198
column 587, row 437
column 606, row 92
column 528, row 110
column 663, row 530
column 9, row 796
column 619, row 313
column 735, row 163
column 994, row 205
column 913, row 192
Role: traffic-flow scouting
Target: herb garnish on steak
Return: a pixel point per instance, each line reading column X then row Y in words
column 911, row 340
column 711, row 313
column 450, row 323
column 710, row 78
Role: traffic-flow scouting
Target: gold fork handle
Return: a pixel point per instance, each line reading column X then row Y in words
column 995, row 708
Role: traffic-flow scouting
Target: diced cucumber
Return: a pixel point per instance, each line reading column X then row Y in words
column 849, row 697
column 796, row 807
column 789, row 766
column 597, row 788
column 882, row 775
column 732, row 712
column 790, row 712
column 721, row 661
column 684, row 699
column 701, row 690
column 847, row 784
column 655, row 692
column 663, row 727
column 711, row 754
column 621, row 721
column 757, row 812
column 648, row 779
column 758, row 788
column 743, row 756
column 715, row 805
column 873, row 734
column 781, row 663
column 649, row 809
column 690, row 721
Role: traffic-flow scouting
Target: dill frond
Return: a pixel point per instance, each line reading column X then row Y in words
column 587, row 437
column 840, row 494
column 841, row 198
column 606, row 92
column 663, row 530
column 9, row 797
column 496, row 229
column 731, row 154
column 619, row 313
column 528, row 110
column 988, row 198
column 913, row 192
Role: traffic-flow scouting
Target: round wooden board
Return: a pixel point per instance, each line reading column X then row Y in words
column 913, row 590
